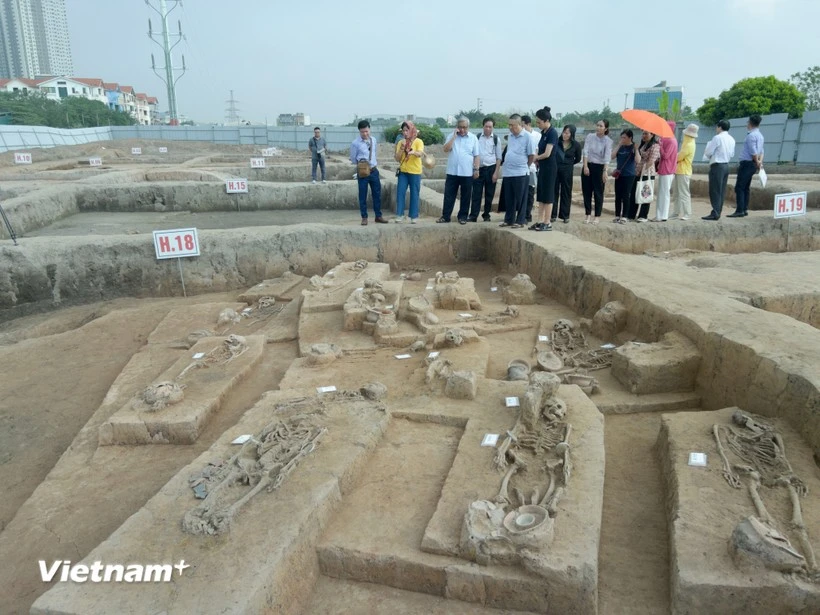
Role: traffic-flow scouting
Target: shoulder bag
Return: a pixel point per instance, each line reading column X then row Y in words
column 363, row 166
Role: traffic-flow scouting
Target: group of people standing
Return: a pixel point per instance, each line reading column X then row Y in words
column 538, row 167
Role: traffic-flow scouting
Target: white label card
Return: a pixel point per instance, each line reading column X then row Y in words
column 95, row 162
column 136, row 151
column 329, row 389
column 403, row 356
column 489, row 439
column 241, row 439
column 543, row 338
column 257, row 163
column 233, row 186
column 494, row 289
column 176, row 243
column 433, row 355
column 608, row 346
column 198, row 355
column 697, row 459
column 511, row 402
column 466, row 315
column 163, row 150
column 22, row 158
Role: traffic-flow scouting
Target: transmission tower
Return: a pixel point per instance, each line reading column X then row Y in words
column 164, row 41
column 232, row 112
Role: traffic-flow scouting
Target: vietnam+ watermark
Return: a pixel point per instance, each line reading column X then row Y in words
column 63, row 571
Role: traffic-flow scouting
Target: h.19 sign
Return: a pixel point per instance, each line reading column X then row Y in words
column 232, row 186
column 176, row 243
column 257, row 163
column 22, row 158
column 790, row 205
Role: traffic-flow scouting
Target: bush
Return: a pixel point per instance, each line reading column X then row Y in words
column 431, row 135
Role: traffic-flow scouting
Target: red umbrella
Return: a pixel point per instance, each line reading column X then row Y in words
column 646, row 120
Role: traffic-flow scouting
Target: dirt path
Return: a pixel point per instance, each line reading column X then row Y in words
column 633, row 574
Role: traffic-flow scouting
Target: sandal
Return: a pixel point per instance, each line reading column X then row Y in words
column 596, row 221
column 586, row 220
column 442, row 221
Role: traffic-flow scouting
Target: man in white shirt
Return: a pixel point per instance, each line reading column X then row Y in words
column 489, row 147
column 535, row 137
column 719, row 152
column 462, row 167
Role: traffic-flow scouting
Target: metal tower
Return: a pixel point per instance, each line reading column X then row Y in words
column 232, row 112
column 165, row 42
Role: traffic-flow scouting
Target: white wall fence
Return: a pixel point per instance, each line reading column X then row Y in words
column 787, row 140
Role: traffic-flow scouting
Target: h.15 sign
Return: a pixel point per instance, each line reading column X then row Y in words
column 176, row 243
column 790, row 205
column 233, row 186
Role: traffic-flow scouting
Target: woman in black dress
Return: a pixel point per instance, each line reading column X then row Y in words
column 547, row 161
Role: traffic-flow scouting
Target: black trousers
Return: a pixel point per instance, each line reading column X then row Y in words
column 623, row 190
column 718, row 180
column 451, row 187
column 745, row 172
column 485, row 185
column 514, row 190
column 592, row 186
column 563, row 191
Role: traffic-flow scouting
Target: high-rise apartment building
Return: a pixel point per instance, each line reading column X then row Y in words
column 34, row 39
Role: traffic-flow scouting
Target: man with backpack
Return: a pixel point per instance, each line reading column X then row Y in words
column 490, row 152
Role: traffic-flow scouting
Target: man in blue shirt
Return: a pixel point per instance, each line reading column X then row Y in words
column 751, row 159
column 462, row 167
column 364, row 148
column 515, row 168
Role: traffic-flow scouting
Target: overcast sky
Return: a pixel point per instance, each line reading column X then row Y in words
column 332, row 59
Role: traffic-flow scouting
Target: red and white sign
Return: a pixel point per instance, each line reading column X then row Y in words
column 176, row 243
column 233, row 186
column 22, row 158
column 790, row 205
column 270, row 151
column 95, row 162
column 136, row 151
column 163, row 150
column 257, row 163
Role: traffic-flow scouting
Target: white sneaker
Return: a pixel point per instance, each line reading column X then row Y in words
column 413, row 220
column 324, row 181
column 313, row 182
column 684, row 217
column 642, row 220
column 399, row 219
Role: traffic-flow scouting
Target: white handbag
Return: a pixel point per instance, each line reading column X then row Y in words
column 645, row 189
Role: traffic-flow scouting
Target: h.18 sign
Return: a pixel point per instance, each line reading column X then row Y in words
column 22, row 158
column 233, row 186
column 790, row 205
column 176, row 243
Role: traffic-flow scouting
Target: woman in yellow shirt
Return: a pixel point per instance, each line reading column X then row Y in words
column 409, row 152
column 682, row 201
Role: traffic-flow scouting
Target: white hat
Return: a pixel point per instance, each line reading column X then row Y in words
column 691, row 131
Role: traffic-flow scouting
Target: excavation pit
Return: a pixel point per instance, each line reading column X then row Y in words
column 417, row 451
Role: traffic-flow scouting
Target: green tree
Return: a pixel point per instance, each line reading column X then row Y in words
column 588, row 119
column 430, row 135
column 763, row 95
column 35, row 109
column 808, row 82
column 669, row 111
column 441, row 122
